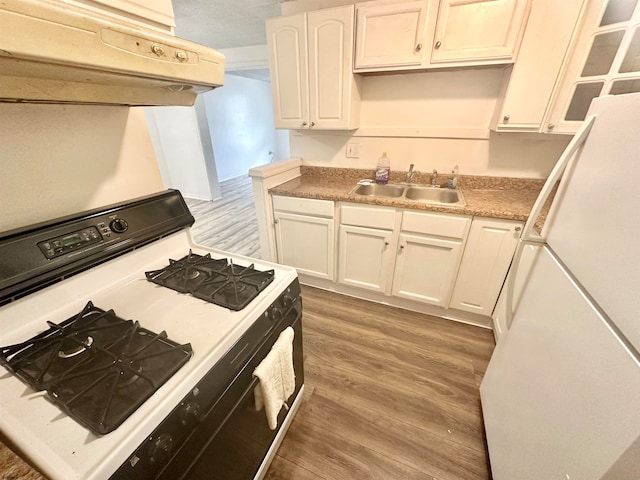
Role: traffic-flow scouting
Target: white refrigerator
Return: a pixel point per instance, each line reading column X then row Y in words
column 561, row 395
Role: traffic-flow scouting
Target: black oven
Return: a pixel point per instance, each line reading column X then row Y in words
column 216, row 431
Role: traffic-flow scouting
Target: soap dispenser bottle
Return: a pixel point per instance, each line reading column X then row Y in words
column 383, row 169
column 453, row 179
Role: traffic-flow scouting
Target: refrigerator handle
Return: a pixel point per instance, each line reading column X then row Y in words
column 529, row 235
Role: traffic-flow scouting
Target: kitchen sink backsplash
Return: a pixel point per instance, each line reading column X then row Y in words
column 474, row 182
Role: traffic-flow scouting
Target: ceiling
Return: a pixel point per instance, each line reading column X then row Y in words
column 223, row 24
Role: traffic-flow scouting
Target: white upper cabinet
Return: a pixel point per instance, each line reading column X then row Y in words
column 527, row 89
column 287, row 39
column 310, row 58
column 391, row 35
column 605, row 59
column 430, row 34
column 473, row 31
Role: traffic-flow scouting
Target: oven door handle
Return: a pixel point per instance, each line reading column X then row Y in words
column 254, row 383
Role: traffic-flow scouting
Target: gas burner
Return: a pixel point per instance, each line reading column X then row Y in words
column 96, row 366
column 218, row 281
column 185, row 274
column 72, row 347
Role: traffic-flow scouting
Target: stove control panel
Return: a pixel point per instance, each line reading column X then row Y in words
column 54, row 247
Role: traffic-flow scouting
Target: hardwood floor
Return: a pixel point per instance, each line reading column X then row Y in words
column 228, row 223
column 390, row 394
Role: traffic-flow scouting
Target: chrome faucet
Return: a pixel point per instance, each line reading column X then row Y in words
column 410, row 174
column 434, row 178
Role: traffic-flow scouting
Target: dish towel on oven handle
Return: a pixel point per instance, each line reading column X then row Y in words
column 277, row 378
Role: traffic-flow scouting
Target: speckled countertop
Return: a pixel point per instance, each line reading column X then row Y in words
column 496, row 197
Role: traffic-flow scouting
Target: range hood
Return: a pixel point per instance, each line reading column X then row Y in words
column 54, row 52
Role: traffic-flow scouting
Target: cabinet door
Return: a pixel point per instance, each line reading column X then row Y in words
column 604, row 60
column 390, row 34
column 486, row 260
column 365, row 257
column 528, row 88
column 477, row 30
column 426, row 268
column 306, row 243
column 330, row 39
column 287, row 41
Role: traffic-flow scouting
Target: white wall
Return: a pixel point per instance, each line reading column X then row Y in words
column 433, row 119
column 61, row 159
column 509, row 155
column 179, row 150
column 241, row 125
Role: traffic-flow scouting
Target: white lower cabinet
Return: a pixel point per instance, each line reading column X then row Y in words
column 487, row 256
column 450, row 261
column 367, row 246
column 429, row 251
column 426, row 268
column 305, row 237
column 365, row 257
column 407, row 254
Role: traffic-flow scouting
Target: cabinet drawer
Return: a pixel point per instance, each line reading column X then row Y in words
column 373, row 217
column 309, row 206
column 436, row 224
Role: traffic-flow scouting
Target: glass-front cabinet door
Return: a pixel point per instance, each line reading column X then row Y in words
column 605, row 59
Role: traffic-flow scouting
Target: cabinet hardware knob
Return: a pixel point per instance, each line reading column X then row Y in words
column 518, row 229
column 313, row 124
column 506, row 117
column 304, row 124
column 386, row 244
column 438, row 44
column 418, row 47
column 551, row 126
column 401, row 247
column 276, row 221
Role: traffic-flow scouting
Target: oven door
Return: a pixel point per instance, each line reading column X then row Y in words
column 233, row 438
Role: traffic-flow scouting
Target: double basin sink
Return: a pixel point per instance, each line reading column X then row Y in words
column 417, row 193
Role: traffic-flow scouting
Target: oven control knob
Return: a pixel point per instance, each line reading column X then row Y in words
column 190, row 414
column 161, row 448
column 287, row 300
column 276, row 314
column 119, row 225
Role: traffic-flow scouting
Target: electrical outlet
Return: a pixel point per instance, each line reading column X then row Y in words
column 352, row 150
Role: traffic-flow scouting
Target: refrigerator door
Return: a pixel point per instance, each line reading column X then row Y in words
column 592, row 225
column 560, row 397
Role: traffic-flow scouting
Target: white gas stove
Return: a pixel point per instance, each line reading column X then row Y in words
column 174, row 429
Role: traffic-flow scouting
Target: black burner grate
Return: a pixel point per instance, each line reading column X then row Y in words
column 218, row 281
column 96, row 366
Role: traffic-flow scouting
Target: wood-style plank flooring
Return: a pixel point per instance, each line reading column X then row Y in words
column 390, row 394
column 228, row 223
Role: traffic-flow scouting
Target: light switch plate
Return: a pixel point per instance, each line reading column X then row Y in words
column 352, row 150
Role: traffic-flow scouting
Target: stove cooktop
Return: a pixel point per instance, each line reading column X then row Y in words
column 96, row 366
column 218, row 281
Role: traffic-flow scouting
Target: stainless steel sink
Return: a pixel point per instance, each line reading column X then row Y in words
column 375, row 190
column 414, row 193
column 430, row 194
